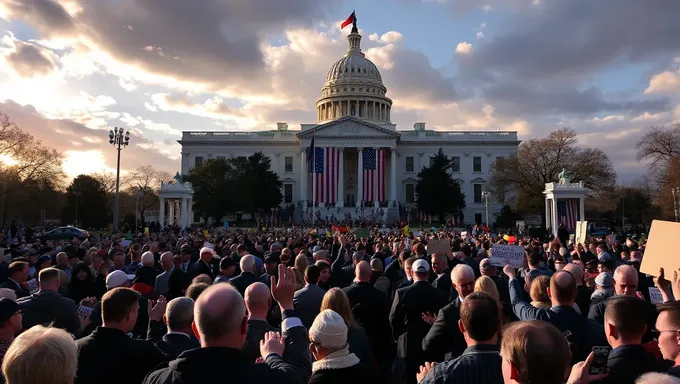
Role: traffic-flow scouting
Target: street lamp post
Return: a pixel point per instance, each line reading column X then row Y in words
column 137, row 201
column 77, row 195
column 676, row 194
column 119, row 139
column 485, row 196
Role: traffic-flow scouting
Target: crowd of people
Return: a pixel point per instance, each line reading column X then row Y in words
column 294, row 305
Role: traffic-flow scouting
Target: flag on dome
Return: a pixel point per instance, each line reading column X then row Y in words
column 351, row 19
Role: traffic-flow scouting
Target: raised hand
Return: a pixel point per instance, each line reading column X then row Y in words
column 424, row 369
column 272, row 343
column 429, row 317
column 157, row 310
column 284, row 290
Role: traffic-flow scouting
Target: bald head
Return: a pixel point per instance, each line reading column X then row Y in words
column 376, row 265
column 625, row 280
column 562, row 288
column 247, row 263
column 576, row 271
column 220, row 317
column 257, row 299
column 363, row 271
column 357, row 257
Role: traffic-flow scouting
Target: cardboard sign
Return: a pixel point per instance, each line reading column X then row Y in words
column 661, row 249
column 208, row 244
column 502, row 255
column 655, row 295
column 362, row 233
column 125, row 243
column 32, row 285
column 439, row 246
column 581, row 232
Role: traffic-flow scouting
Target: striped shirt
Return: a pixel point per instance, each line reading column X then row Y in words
column 479, row 364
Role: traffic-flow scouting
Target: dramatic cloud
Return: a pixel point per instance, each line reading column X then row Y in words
column 664, row 82
column 30, row 60
column 464, row 48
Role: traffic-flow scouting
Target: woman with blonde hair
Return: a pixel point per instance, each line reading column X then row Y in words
column 539, row 293
column 301, row 264
column 337, row 300
column 487, row 285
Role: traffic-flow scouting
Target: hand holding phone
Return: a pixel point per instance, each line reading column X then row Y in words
column 593, row 369
column 599, row 363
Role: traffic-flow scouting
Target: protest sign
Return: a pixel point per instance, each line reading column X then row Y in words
column 125, row 243
column 655, row 295
column 502, row 255
column 581, row 231
column 439, row 246
column 362, row 233
column 208, row 244
column 32, row 285
column 660, row 251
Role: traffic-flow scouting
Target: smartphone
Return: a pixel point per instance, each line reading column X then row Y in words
column 599, row 364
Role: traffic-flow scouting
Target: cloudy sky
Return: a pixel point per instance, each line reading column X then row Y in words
column 71, row 69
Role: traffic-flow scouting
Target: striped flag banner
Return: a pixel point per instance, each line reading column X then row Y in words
column 567, row 211
column 326, row 170
column 374, row 174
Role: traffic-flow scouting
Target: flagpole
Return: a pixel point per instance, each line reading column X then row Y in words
column 314, row 182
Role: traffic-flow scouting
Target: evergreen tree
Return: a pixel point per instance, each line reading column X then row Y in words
column 437, row 192
column 87, row 197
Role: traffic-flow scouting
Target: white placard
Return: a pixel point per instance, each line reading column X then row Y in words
column 209, row 245
column 655, row 295
column 502, row 255
column 32, row 285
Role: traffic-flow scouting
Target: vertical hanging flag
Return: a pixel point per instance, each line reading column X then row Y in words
column 374, row 174
column 326, row 173
column 567, row 211
column 310, row 152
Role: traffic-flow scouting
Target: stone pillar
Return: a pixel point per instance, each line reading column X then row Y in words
column 161, row 212
column 303, row 177
column 393, row 175
column 554, row 222
column 582, row 209
column 171, row 212
column 184, row 213
column 190, row 212
column 548, row 205
column 340, row 202
column 360, row 177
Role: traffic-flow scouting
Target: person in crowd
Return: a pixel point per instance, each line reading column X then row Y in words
column 333, row 361
column 604, row 288
column 583, row 293
column 82, row 284
column 625, row 324
column 195, row 290
column 203, row 278
column 370, row 309
column 128, row 360
column 41, row 355
column 406, row 317
column 258, row 301
column 342, row 270
column 481, row 361
column 178, row 317
column 136, row 257
column 47, row 306
column 221, row 324
column 668, row 334
column 336, row 300
column 325, row 281
column 10, row 324
column 227, row 269
column 161, row 282
column 520, row 362
column 444, row 340
column 657, row 378
column 307, row 301
column 440, row 267
column 205, row 264
column 582, row 333
column 247, row 276
column 64, row 265
column 539, row 292
column 301, row 264
column 18, row 275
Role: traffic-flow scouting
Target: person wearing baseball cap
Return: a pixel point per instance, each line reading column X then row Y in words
column 118, row 279
column 406, row 317
column 10, row 323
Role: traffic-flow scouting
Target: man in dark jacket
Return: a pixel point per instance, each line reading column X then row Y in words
column 18, row 274
column 47, row 306
column 221, row 323
column 205, row 264
column 247, row 276
column 583, row 293
column 370, row 308
column 258, row 302
column 582, row 333
column 625, row 324
column 342, row 269
column 406, row 317
column 442, row 272
column 127, row 360
column 179, row 314
column 307, row 300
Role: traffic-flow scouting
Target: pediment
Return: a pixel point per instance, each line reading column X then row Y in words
column 478, row 180
column 349, row 127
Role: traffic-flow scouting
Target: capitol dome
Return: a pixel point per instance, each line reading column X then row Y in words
column 354, row 87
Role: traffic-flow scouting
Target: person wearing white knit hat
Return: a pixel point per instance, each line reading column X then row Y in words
column 333, row 361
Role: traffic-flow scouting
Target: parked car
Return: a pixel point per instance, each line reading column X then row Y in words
column 65, row 233
column 600, row 232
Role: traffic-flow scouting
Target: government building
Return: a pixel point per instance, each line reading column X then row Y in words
column 362, row 165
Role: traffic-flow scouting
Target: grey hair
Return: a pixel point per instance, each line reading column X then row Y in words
column 657, row 378
column 147, row 258
column 179, row 313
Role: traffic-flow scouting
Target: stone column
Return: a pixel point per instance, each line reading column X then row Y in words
column 548, row 204
column 171, row 212
column 393, row 175
column 582, row 209
column 340, row 202
column 303, row 177
column 190, row 212
column 360, row 177
column 161, row 212
column 184, row 213
column 554, row 219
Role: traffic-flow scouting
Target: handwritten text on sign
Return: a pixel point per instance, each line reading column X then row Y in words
column 507, row 254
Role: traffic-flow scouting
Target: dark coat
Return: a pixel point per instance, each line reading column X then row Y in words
column 200, row 268
column 406, row 321
column 443, row 283
column 173, row 344
column 628, row 362
column 583, row 294
column 242, row 281
column 307, row 302
column 47, row 307
column 127, row 360
column 444, row 340
column 356, row 374
column 597, row 313
column 370, row 308
column 255, row 333
column 18, row 289
column 478, row 364
column 342, row 272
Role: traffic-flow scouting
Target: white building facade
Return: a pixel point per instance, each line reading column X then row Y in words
column 353, row 117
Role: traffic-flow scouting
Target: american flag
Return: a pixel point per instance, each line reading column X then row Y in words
column 567, row 211
column 374, row 174
column 326, row 170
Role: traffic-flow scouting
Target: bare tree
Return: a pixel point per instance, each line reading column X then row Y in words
column 659, row 145
column 108, row 181
column 143, row 183
column 539, row 161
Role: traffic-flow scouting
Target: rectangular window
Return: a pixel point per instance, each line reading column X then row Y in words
column 476, row 164
column 199, row 161
column 409, row 164
column 288, row 193
column 478, row 193
column 410, row 193
column 455, row 164
column 289, row 164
